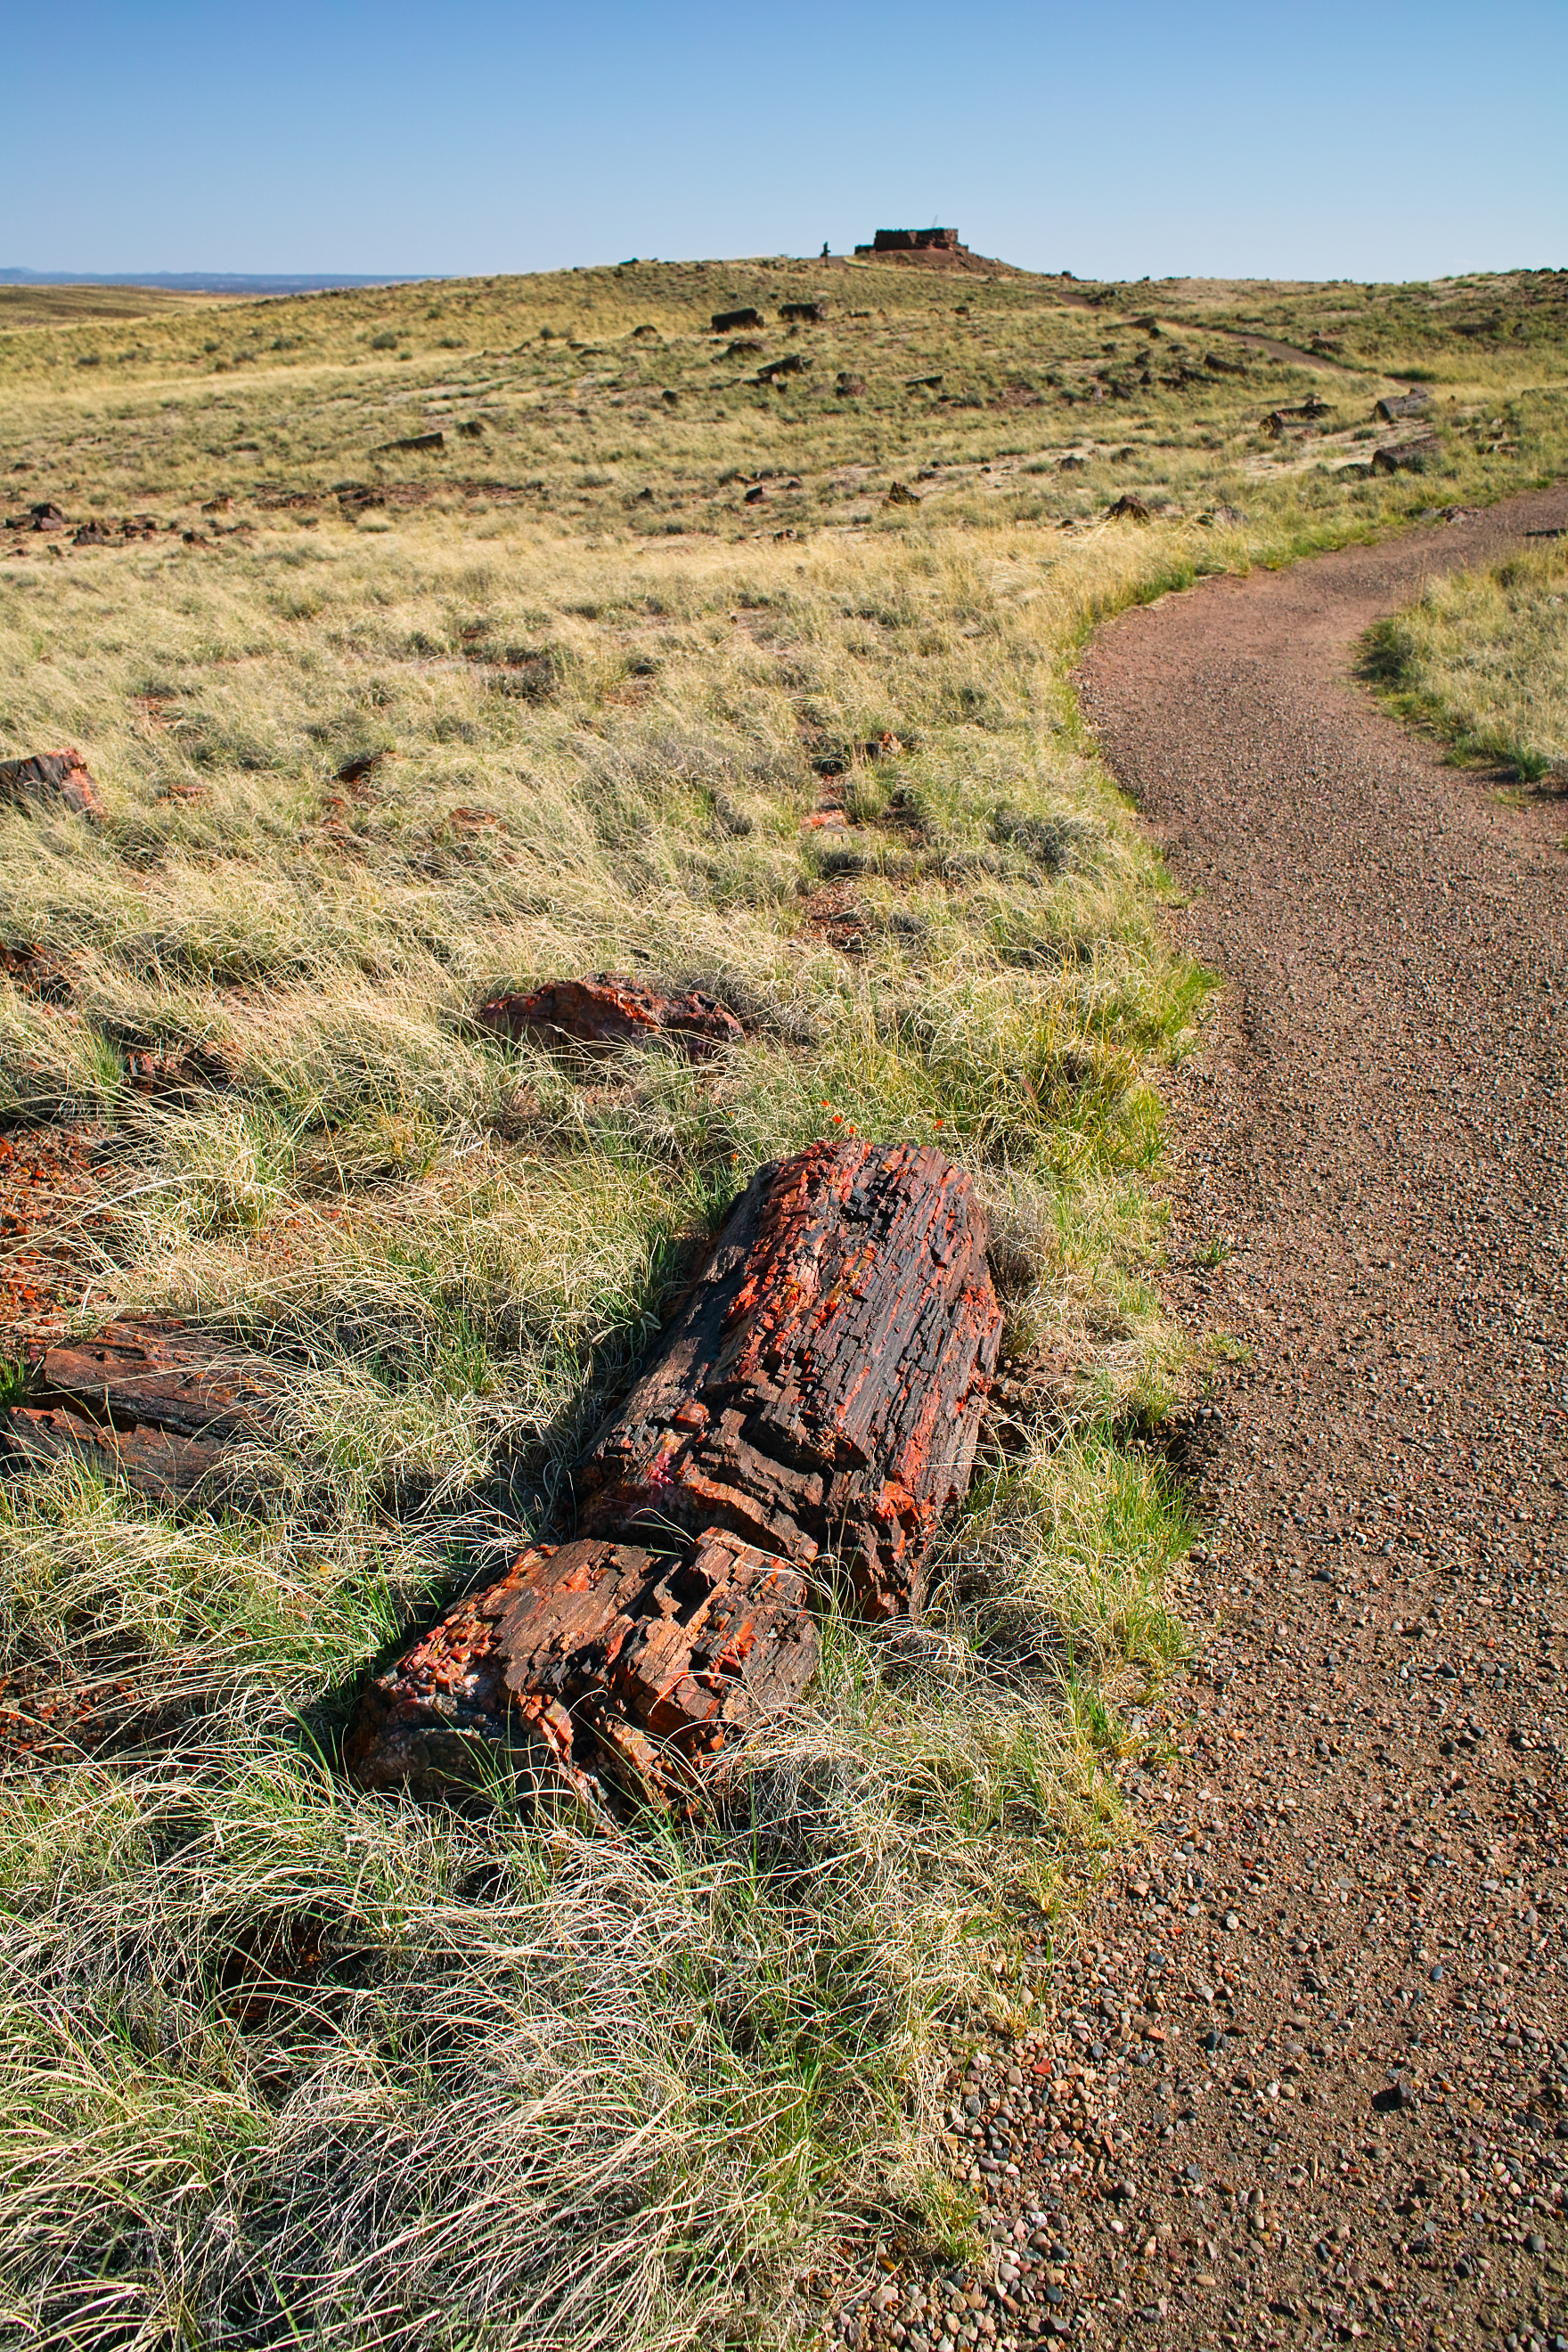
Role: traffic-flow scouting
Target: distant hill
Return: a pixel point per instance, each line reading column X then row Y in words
column 199, row 281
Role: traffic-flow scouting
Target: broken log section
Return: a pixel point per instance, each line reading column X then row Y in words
column 813, row 1406
column 590, row 1654
column 146, row 1400
column 52, row 775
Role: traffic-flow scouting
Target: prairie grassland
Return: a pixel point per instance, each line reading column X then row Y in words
column 1483, row 658
column 281, row 2062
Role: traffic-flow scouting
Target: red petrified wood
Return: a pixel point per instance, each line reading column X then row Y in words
column 816, row 1400
column 608, row 1009
column 52, row 775
column 157, row 1405
column 594, row 1654
column 821, row 1391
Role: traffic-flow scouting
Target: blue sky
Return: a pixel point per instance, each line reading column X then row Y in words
column 1323, row 141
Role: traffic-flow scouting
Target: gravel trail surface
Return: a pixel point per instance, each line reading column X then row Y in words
column 1307, row 2079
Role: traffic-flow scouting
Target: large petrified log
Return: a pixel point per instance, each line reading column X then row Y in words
column 821, row 1387
column 144, row 1399
column 816, row 1400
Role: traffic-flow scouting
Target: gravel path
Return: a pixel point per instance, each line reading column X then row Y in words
column 1308, row 2079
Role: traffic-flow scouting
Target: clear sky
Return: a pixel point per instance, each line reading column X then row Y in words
column 1116, row 138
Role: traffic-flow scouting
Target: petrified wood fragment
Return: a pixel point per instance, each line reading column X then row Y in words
column 144, row 1400
column 151, row 1462
column 821, row 1391
column 52, row 775
column 594, row 1657
column 608, row 1009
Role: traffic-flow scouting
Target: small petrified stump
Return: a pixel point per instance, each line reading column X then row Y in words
column 145, row 1401
column 821, row 1391
column 52, row 775
column 595, row 1658
column 608, row 1009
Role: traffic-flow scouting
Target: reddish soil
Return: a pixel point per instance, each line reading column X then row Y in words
column 1304, row 2078
column 51, row 1208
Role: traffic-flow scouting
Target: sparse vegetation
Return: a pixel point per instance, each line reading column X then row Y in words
column 386, row 733
column 1483, row 658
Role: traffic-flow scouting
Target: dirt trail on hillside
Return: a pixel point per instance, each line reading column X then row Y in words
column 1349, row 1919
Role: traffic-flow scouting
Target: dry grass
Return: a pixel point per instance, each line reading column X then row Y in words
column 282, row 2064
column 1483, row 657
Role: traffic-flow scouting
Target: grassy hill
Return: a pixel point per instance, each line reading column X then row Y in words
column 282, row 2062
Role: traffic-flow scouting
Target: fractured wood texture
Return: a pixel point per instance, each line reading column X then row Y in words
column 146, row 1400
column 821, row 1389
column 595, row 1655
column 816, row 1399
column 608, row 1009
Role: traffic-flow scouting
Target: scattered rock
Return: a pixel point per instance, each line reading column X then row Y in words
column 607, row 1010
column 726, row 322
column 792, row 363
column 45, row 517
column 219, row 505
column 1407, row 456
column 849, row 386
column 1126, row 509
column 900, row 495
column 410, row 441
column 471, row 428
column 923, row 384
column 805, row 313
column 52, row 775
column 359, row 766
column 1404, row 403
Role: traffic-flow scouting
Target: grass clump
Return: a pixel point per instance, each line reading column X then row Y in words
column 1483, row 659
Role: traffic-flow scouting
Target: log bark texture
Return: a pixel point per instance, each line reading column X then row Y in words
column 815, row 1401
column 595, row 1658
column 52, row 775
column 821, row 1391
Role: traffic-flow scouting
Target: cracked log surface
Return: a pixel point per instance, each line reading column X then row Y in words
column 594, row 1656
column 821, row 1391
column 816, row 1399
